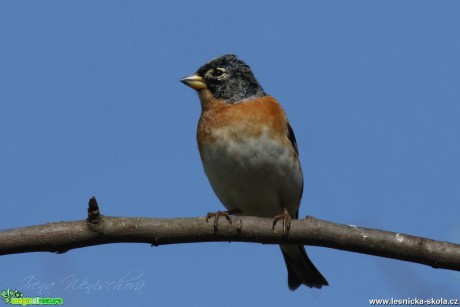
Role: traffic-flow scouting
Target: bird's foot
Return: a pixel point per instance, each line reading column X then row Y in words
column 218, row 214
column 286, row 217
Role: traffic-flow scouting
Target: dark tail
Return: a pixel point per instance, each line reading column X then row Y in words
column 300, row 268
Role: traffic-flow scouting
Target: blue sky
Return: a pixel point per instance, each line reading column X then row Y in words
column 90, row 104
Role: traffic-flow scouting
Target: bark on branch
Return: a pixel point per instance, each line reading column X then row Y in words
column 98, row 229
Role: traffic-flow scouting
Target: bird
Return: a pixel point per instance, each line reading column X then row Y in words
column 249, row 154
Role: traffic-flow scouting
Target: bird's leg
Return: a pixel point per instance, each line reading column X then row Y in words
column 218, row 214
column 286, row 217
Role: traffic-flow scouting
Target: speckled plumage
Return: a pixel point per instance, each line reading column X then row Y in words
column 239, row 83
column 249, row 152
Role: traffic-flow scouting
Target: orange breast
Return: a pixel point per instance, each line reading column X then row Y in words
column 246, row 119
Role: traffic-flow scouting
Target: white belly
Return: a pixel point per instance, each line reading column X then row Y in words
column 259, row 176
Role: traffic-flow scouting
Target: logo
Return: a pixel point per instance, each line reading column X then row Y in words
column 14, row 297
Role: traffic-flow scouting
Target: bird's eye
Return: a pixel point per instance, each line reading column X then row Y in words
column 219, row 72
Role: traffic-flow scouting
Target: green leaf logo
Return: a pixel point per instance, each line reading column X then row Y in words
column 8, row 295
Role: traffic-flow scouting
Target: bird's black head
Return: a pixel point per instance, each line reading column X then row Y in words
column 227, row 78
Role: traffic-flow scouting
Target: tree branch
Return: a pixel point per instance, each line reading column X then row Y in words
column 98, row 229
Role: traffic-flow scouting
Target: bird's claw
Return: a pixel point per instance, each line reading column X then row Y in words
column 286, row 217
column 216, row 216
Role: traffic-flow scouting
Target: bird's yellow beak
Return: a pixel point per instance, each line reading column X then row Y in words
column 194, row 81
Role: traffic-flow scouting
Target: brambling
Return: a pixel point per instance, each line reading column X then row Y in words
column 249, row 153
